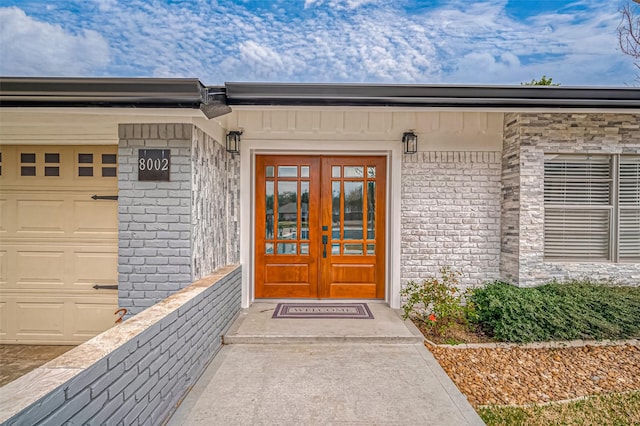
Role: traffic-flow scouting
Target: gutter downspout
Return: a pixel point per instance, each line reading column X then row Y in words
column 214, row 102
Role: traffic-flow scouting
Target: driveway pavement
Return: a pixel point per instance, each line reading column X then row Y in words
column 18, row 360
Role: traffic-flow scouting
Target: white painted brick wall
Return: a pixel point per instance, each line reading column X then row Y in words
column 172, row 233
column 450, row 215
column 154, row 218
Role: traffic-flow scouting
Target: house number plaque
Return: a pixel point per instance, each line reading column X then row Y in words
column 154, row 164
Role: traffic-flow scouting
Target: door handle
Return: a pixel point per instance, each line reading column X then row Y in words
column 105, row 287
column 105, row 197
column 325, row 240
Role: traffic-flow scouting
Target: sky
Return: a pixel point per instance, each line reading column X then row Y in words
column 496, row 42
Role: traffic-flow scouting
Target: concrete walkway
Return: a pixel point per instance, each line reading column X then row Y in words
column 322, row 372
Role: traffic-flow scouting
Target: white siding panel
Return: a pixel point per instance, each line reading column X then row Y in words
column 437, row 131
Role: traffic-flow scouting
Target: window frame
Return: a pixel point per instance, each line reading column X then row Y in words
column 568, row 185
column 623, row 207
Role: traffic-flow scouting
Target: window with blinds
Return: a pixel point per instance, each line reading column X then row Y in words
column 586, row 217
column 629, row 202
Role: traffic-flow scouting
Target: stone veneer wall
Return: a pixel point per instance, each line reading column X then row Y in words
column 510, row 212
column 527, row 137
column 136, row 372
column 215, row 183
column 172, row 233
column 450, row 215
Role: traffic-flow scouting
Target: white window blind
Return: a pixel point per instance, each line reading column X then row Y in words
column 629, row 202
column 578, row 207
column 583, row 210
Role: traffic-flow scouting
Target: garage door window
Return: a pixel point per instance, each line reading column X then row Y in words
column 104, row 164
column 27, row 166
column 86, row 165
column 107, row 169
column 52, row 164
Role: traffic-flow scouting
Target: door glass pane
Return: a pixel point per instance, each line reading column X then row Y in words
column 335, row 210
column 287, row 211
column 335, row 171
column 269, row 211
column 353, row 206
column 304, row 210
column 371, row 210
column 304, row 248
column 287, row 248
column 268, row 248
column 351, row 249
column 269, row 171
column 353, row 171
column 371, row 249
column 335, row 249
column 287, row 171
column 304, row 171
column 371, row 171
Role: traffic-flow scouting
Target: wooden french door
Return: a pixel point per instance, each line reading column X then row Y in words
column 320, row 227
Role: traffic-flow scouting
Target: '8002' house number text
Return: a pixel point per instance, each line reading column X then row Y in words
column 154, row 164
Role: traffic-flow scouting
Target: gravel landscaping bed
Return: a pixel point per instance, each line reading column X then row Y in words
column 520, row 376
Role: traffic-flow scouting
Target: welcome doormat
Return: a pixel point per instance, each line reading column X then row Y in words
column 323, row 310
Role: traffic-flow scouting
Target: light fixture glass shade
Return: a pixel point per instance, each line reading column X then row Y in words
column 410, row 142
column 233, row 142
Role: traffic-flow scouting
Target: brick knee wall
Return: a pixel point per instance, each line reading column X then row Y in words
column 143, row 378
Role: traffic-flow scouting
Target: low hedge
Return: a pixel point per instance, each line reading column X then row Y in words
column 558, row 311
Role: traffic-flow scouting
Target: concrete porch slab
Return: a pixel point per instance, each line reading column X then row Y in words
column 324, row 384
column 255, row 326
column 324, row 372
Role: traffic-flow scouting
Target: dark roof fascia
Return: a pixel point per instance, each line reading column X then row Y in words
column 102, row 92
column 215, row 100
column 460, row 96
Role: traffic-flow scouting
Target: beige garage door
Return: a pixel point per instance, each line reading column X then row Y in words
column 57, row 243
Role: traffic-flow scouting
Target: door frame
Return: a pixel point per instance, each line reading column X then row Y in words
column 320, row 272
column 390, row 149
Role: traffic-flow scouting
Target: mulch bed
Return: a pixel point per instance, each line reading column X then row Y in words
column 520, row 376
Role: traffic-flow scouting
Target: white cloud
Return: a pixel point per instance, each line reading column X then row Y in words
column 106, row 5
column 31, row 47
column 259, row 62
column 484, row 45
column 327, row 41
column 339, row 4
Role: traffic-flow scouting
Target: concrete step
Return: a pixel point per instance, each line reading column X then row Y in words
column 239, row 339
column 255, row 325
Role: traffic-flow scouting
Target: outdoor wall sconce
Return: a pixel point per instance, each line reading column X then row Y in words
column 233, row 142
column 410, row 142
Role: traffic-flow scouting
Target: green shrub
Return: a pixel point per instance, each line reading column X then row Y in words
column 437, row 302
column 577, row 309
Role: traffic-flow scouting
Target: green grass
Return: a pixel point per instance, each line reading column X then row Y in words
column 558, row 311
column 611, row 409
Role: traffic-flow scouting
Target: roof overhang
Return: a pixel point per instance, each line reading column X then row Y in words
column 215, row 101
column 113, row 93
column 430, row 96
